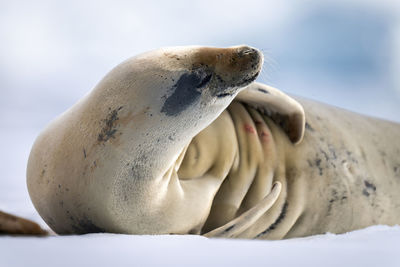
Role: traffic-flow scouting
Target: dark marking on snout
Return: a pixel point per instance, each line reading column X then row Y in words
column 278, row 220
column 185, row 92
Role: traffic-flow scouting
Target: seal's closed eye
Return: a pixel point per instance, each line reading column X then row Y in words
column 204, row 81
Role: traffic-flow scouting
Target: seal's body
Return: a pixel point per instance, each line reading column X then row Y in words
column 181, row 140
column 343, row 175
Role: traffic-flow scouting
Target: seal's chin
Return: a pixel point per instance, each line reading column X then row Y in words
column 235, row 88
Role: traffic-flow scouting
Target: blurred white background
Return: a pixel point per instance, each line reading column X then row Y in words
column 343, row 52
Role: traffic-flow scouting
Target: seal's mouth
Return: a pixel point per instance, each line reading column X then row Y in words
column 233, row 89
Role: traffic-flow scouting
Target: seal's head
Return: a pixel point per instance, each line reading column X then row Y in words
column 133, row 126
column 201, row 77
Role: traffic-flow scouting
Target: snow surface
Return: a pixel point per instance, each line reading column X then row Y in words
column 374, row 246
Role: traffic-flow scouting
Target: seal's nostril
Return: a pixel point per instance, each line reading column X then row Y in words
column 246, row 51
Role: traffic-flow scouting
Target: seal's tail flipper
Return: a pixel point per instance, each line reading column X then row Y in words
column 13, row 225
column 248, row 218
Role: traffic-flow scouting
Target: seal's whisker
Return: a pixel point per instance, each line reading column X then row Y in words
column 270, row 67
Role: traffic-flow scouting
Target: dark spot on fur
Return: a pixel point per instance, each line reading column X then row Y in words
column 85, row 226
column 94, row 166
column 325, row 154
column 318, row 163
column 229, row 228
column 308, row 127
column 263, row 90
column 110, row 126
column 185, row 92
column 277, row 221
column 42, row 173
column 365, row 192
column 335, row 197
column 351, row 157
column 333, row 151
column 139, row 167
column 369, row 189
column 370, row 185
column 84, row 153
column 396, row 170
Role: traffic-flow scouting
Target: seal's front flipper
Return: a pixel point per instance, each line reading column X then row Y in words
column 248, row 218
column 281, row 108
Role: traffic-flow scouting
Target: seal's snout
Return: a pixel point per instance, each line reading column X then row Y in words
column 247, row 50
column 237, row 67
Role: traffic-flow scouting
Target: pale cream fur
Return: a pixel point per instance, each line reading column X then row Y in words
column 177, row 141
